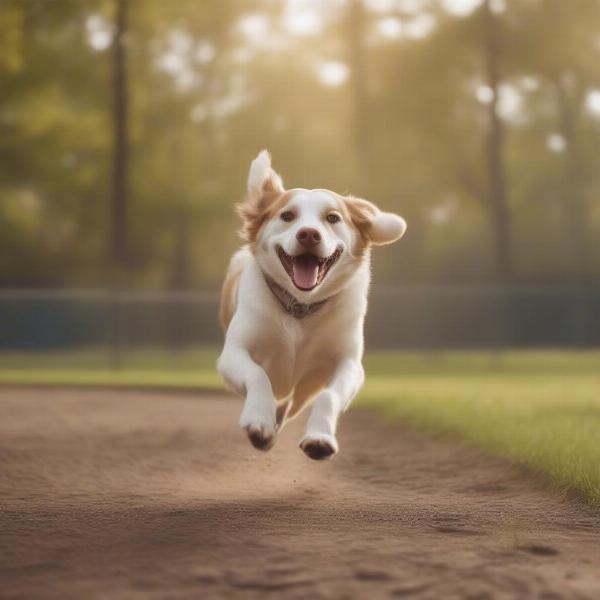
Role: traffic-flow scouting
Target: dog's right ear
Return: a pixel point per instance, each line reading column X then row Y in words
column 261, row 178
column 264, row 187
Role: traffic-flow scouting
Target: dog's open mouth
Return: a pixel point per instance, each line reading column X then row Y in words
column 307, row 271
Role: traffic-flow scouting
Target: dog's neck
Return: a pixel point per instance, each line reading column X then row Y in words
column 289, row 303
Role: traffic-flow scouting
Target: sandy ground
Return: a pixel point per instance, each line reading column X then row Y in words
column 147, row 495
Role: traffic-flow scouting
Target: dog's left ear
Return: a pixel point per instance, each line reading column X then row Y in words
column 375, row 226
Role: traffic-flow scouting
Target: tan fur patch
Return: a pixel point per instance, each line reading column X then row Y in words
column 228, row 296
column 359, row 212
column 306, row 389
column 255, row 212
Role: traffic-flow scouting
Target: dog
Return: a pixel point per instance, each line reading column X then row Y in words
column 293, row 305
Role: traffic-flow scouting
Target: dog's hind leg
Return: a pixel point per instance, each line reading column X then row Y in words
column 305, row 391
column 281, row 413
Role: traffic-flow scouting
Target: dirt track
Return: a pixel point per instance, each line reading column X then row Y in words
column 137, row 495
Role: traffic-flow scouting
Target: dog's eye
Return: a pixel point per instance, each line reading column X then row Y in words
column 333, row 218
column 287, row 216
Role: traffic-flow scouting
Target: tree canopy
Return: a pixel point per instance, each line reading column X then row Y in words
column 477, row 120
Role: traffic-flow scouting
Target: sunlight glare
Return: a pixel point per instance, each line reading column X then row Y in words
column 510, row 103
column 302, row 22
column 556, row 143
column 484, row 94
column 99, row 32
column 592, row 103
column 333, row 73
column 530, row 83
column 404, row 6
column 254, row 26
column 390, row 27
column 460, row 8
column 175, row 60
column 384, row 6
column 419, row 26
column 410, row 6
column 498, row 6
column 441, row 213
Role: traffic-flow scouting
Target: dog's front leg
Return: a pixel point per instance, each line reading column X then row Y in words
column 319, row 441
column 250, row 380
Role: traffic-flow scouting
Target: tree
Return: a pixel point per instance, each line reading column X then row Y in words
column 192, row 90
column 357, row 17
column 119, row 208
column 497, row 184
column 568, row 69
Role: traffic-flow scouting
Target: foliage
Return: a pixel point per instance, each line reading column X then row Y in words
column 212, row 82
column 538, row 409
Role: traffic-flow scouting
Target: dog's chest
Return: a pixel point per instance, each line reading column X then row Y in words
column 293, row 349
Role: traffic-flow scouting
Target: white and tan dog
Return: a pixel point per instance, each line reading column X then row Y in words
column 293, row 306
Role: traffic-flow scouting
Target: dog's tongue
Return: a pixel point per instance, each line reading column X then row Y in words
column 305, row 271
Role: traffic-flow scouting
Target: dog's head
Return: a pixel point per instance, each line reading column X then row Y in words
column 310, row 241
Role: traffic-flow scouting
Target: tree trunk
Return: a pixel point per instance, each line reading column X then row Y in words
column 119, row 234
column 180, row 265
column 358, row 82
column 576, row 216
column 498, row 195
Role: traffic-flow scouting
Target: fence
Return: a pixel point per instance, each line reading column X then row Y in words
column 399, row 317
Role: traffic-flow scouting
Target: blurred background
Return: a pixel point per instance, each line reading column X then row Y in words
column 127, row 128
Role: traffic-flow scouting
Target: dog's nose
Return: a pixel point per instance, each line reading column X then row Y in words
column 308, row 237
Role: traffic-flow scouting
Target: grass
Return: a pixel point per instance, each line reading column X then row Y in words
column 189, row 369
column 541, row 409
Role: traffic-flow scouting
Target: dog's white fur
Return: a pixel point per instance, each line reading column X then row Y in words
column 280, row 363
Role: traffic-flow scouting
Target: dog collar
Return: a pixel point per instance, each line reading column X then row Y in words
column 291, row 305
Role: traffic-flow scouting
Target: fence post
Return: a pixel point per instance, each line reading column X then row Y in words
column 116, row 357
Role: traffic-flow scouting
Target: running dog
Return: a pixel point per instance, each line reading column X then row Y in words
column 293, row 305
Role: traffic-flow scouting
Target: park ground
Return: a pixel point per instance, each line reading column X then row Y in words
column 540, row 409
column 139, row 494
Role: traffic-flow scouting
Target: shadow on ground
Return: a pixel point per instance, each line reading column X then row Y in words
column 127, row 495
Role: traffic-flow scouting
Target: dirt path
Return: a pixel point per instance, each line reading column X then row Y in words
column 131, row 495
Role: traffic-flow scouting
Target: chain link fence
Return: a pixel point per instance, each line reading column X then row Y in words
column 415, row 318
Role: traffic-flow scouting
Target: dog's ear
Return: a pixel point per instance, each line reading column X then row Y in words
column 374, row 225
column 262, row 178
column 264, row 187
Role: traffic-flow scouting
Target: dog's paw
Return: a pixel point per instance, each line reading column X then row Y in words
column 261, row 437
column 319, row 447
column 259, row 423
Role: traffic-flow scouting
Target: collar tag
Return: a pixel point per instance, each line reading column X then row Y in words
column 290, row 305
column 300, row 310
